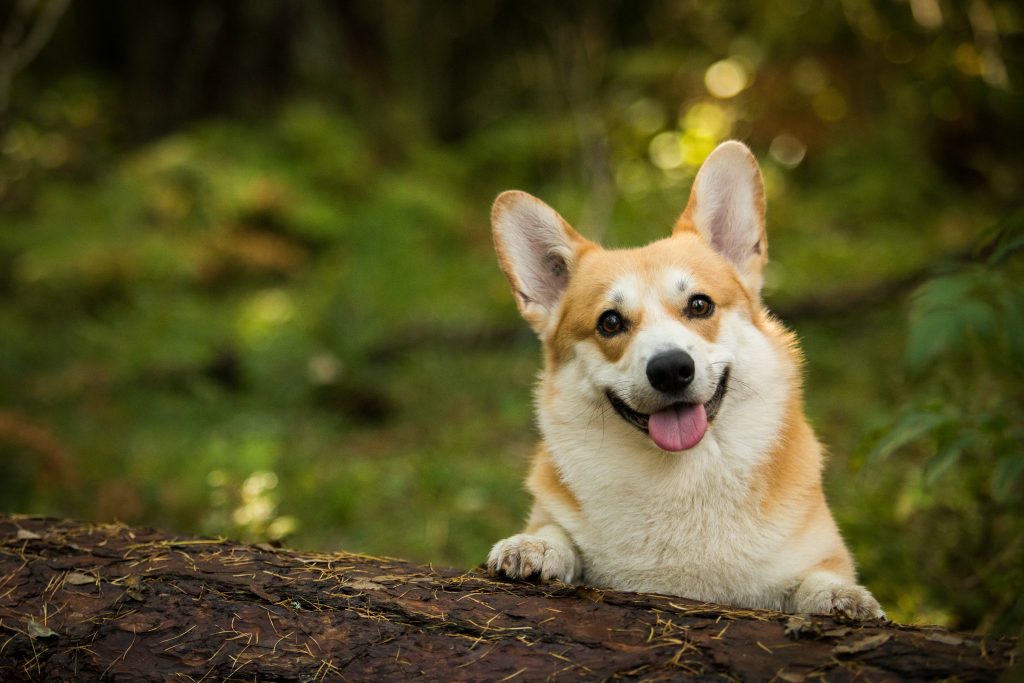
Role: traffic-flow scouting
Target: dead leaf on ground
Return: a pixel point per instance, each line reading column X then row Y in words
column 37, row 630
column 862, row 645
column 840, row 632
column 79, row 579
column 947, row 639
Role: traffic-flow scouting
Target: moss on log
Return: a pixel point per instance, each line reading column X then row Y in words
column 87, row 601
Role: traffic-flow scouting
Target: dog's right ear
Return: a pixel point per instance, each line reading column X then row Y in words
column 726, row 208
column 537, row 250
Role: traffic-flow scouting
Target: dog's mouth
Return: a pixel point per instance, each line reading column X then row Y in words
column 677, row 427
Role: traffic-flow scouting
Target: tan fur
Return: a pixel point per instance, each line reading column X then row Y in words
column 840, row 564
column 793, row 470
column 545, row 483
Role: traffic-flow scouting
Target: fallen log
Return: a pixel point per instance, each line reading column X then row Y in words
column 88, row 601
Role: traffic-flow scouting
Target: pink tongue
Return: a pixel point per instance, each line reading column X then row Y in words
column 678, row 427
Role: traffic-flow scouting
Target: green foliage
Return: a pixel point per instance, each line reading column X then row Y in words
column 981, row 305
column 963, row 435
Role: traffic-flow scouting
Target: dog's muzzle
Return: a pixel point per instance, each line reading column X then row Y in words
column 642, row 420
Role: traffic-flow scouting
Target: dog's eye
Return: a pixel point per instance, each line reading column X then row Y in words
column 700, row 306
column 611, row 323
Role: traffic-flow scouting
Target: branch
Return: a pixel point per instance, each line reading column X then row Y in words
column 22, row 40
column 85, row 601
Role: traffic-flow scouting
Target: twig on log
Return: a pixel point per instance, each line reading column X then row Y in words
column 85, row 601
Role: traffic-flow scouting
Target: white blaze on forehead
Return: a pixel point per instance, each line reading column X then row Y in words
column 632, row 292
column 675, row 281
column 627, row 293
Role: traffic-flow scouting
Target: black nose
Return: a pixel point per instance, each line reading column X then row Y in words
column 671, row 371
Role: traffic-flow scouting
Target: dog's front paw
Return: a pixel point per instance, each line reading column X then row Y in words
column 847, row 600
column 524, row 556
column 823, row 595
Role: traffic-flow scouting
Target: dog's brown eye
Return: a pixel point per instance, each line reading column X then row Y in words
column 700, row 306
column 611, row 323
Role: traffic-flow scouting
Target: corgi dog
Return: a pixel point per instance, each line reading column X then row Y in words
column 675, row 457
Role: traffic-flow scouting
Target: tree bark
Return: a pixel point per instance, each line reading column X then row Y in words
column 87, row 601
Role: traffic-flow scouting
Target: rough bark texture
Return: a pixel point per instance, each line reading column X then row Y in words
column 86, row 601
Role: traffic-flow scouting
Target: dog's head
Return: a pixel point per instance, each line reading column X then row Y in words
column 658, row 334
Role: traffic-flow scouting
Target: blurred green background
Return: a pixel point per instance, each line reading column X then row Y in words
column 247, row 284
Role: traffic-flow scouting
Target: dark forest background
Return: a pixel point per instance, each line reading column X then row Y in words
column 247, row 285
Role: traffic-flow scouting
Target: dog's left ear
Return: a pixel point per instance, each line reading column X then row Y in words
column 726, row 208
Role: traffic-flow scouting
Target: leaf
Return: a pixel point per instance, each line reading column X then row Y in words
column 79, row 579
column 1011, row 305
column 1008, row 470
column 862, row 645
column 910, row 427
column 363, row 585
column 946, row 457
column 26, row 535
column 945, row 312
column 947, row 638
column 37, row 630
column 841, row 632
column 133, row 586
column 1008, row 239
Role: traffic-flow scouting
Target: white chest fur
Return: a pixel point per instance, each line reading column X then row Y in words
column 686, row 530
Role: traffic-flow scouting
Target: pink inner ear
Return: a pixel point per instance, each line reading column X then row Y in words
column 727, row 204
column 535, row 241
column 556, row 281
column 730, row 237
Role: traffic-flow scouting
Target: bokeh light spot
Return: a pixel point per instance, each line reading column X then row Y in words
column 324, row 368
column 927, row 13
column 726, row 78
column 646, row 116
column 788, row 150
column 666, row 150
column 967, row 59
column 264, row 314
column 708, row 120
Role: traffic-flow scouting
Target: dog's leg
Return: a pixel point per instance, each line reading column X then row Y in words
column 823, row 592
column 546, row 553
